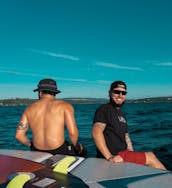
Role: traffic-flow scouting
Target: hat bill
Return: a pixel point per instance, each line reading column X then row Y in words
column 45, row 89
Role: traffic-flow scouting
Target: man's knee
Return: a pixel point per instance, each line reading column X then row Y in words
column 150, row 157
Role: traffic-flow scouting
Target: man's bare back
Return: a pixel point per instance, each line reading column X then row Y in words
column 47, row 118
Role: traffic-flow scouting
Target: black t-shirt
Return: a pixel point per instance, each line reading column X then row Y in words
column 115, row 130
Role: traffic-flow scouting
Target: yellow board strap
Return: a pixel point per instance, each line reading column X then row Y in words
column 18, row 181
column 63, row 165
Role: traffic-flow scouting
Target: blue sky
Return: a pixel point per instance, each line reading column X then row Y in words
column 85, row 45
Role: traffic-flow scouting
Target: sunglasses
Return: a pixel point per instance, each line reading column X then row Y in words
column 119, row 92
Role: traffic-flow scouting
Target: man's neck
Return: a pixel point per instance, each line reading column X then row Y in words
column 47, row 97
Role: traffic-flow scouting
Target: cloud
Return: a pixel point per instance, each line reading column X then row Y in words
column 58, row 55
column 21, row 73
column 42, row 76
column 164, row 64
column 115, row 66
column 160, row 63
column 71, row 79
column 151, row 61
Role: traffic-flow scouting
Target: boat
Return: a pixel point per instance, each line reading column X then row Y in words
column 72, row 171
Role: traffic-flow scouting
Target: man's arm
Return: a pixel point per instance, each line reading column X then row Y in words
column 97, row 133
column 71, row 124
column 129, row 143
column 22, row 128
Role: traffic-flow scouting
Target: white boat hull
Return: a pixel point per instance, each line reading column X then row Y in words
column 99, row 173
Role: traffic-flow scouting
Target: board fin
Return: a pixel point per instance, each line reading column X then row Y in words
column 62, row 165
column 18, row 181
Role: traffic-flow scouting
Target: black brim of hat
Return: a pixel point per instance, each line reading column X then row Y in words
column 52, row 90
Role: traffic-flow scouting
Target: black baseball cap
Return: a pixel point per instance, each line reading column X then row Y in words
column 118, row 84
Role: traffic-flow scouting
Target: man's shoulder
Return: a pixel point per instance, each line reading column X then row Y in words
column 103, row 107
column 62, row 103
column 32, row 105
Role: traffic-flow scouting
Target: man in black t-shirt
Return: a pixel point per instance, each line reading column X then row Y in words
column 110, row 132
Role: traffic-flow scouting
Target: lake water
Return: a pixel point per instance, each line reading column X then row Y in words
column 150, row 127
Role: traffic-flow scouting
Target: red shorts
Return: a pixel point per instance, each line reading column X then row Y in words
column 133, row 157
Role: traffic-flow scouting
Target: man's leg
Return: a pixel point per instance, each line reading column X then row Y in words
column 152, row 161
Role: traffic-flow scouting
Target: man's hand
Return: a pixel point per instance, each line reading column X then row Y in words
column 116, row 159
column 80, row 150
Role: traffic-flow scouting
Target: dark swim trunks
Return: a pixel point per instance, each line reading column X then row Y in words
column 133, row 157
column 64, row 149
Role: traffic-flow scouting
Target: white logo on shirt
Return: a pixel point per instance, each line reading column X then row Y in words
column 121, row 119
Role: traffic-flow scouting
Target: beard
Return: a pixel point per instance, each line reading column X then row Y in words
column 115, row 104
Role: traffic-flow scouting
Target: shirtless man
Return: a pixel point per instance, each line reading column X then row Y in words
column 47, row 118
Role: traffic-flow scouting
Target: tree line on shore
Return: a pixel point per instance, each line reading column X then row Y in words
column 27, row 101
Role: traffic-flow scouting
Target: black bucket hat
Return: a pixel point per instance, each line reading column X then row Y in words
column 47, row 85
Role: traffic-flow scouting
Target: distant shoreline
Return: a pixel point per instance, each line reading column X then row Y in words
column 27, row 101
